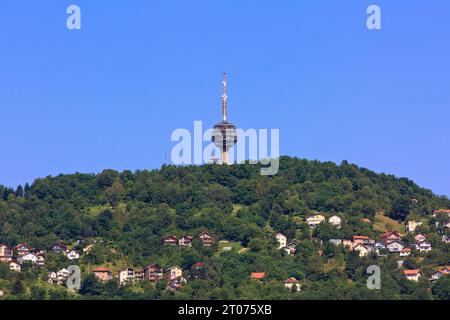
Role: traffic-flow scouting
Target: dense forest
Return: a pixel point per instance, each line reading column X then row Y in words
column 124, row 215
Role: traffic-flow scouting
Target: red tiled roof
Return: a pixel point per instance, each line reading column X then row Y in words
column 411, row 272
column 198, row 264
column 258, row 275
column 101, row 269
column 291, row 280
column 361, row 237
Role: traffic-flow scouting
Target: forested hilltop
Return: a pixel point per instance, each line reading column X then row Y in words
column 118, row 220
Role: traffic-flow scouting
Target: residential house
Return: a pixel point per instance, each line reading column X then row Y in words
column 362, row 249
column 282, row 240
column 206, row 238
column 390, row 236
column 126, row 276
column 412, row 275
column 336, row 242
column 423, row 246
column 405, row 252
column 379, row 246
column 102, row 274
column 361, row 240
column 185, row 241
column 6, row 253
column 258, row 275
column 198, row 271
column 173, row 273
column 40, row 262
column 22, row 249
column 170, row 240
column 314, row 221
column 412, row 225
column 292, row 282
column 420, row 237
column 58, row 248
column 395, row 246
column 88, row 249
column 72, row 255
column 14, row 266
column 439, row 273
column 335, row 221
column 291, row 248
column 347, row 243
column 153, row 273
column 29, row 257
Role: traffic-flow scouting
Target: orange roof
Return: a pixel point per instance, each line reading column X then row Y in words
column 291, row 280
column 406, row 249
column 100, row 269
column 411, row 272
column 442, row 210
column 361, row 237
column 387, row 234
column 258, row 275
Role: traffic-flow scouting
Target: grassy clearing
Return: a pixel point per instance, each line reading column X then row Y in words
column 384, row 223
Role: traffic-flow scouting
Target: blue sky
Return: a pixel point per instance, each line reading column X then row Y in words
column 110, row 94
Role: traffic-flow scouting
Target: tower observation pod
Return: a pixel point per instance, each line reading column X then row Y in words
column 224, row 134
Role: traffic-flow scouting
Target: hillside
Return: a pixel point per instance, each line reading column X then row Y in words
column 125, row 215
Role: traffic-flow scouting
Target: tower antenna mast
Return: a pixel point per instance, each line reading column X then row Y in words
column 224, row 98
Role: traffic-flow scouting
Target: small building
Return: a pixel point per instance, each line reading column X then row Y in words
column 88, row 249
column 127, row 276
column 40, row 262
column 170, row 240
column 102, row 274
column 390, row 236
column 185, row 241
column 361, row 240
column 405, row 252
column 439, row 273
column 335, row 221
column 173, row 273
column 412, row 225
column 423, row 246
column 291, row 248
column 292, row 282
column 58, row 248
column 395, row 246
column 206, row 238
column 153, row 273
column 258, row 275
column 347, row 243
column 72, row 255
column 6, row 253
column 29, row 257
column 336, row 242
column 315, row 220
column 14, row 266
column 22, row 249
column 282, row 240
column 420, row 237
column 362, row 249
column 412, row 275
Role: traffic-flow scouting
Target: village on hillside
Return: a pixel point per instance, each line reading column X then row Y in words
column 410, row 243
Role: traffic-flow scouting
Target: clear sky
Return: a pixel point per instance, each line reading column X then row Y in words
column 110, row 95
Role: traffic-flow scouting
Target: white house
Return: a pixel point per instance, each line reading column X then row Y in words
column 314, row 221
column 14, row 266
column 282, row 240
column 29, row 257
column 127, row 275
column 423, row 246
column 362, row 249
column 336, row 242
column 395, row 246
column 72, row 255
column 291, row 282
column 335, row 221
column 412, row 225
column 439, row 273
column 412, row 275
column 420, row 238
column 405, row 252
